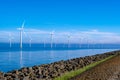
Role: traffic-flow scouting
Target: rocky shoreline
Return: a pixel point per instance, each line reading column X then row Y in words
column 50, row 71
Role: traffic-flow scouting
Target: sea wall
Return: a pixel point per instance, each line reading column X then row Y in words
column 50, row 71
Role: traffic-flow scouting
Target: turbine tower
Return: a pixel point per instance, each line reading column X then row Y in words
column 44, row 44
column 10, row 40
column 80, row 45
column 21, row 34
column 51, row 44
column 30, row 41
column 69, row 40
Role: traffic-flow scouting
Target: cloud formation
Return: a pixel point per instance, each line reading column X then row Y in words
column 39, row 36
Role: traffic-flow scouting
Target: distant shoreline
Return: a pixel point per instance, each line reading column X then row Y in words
column 4, row 47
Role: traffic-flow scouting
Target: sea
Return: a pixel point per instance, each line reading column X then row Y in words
column 12, row 58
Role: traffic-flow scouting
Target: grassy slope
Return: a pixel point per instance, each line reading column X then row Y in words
column 71, row 74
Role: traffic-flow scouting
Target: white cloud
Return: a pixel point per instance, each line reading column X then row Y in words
column 37, row 35
column 35, row 31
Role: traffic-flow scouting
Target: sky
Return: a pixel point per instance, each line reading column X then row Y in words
column 61, row 16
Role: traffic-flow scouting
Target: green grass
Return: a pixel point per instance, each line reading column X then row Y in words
column 71, row 74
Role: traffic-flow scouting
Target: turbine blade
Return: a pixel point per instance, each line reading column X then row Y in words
column 25, row 33
column 18, row 28
column 29, row 37
column 23, row 24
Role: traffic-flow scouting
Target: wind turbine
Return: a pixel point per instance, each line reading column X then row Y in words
column 21, row 34
column 30, row 41
column 44, row 44
column 80, row 45
column 87, row 43
column 51, row 44
column 68, row 40
column 10, row 39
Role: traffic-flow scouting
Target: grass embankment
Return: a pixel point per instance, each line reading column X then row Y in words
column 71, row 74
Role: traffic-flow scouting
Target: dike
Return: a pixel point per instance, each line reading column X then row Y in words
column 108, row 70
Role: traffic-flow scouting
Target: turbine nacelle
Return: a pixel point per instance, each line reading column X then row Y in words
column 69, row 36
column 52, row 33
column 21, row 29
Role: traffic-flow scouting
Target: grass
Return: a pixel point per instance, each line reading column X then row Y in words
column 71, row 74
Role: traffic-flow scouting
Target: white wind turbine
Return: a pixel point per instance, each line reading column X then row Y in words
column 21, row 34
column 81, row 39
column 68, row 36
column 30, row 41
column 10, row 39
column 44, row 44
column 80, row 45
column 51, row 43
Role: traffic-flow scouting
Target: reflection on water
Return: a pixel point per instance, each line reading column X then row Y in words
column 9, row 56
column 16, row 60
column 51, row 56
column 21, row 59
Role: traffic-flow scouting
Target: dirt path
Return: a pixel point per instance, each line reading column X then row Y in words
column 108, row 70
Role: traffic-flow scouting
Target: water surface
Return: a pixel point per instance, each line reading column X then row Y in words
column 11, row 60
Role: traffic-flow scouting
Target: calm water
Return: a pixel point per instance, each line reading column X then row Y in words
column 10, row 60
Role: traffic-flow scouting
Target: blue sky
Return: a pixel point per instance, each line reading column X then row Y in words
column 61, row 15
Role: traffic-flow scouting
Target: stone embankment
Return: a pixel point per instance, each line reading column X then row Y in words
column 50, row 71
